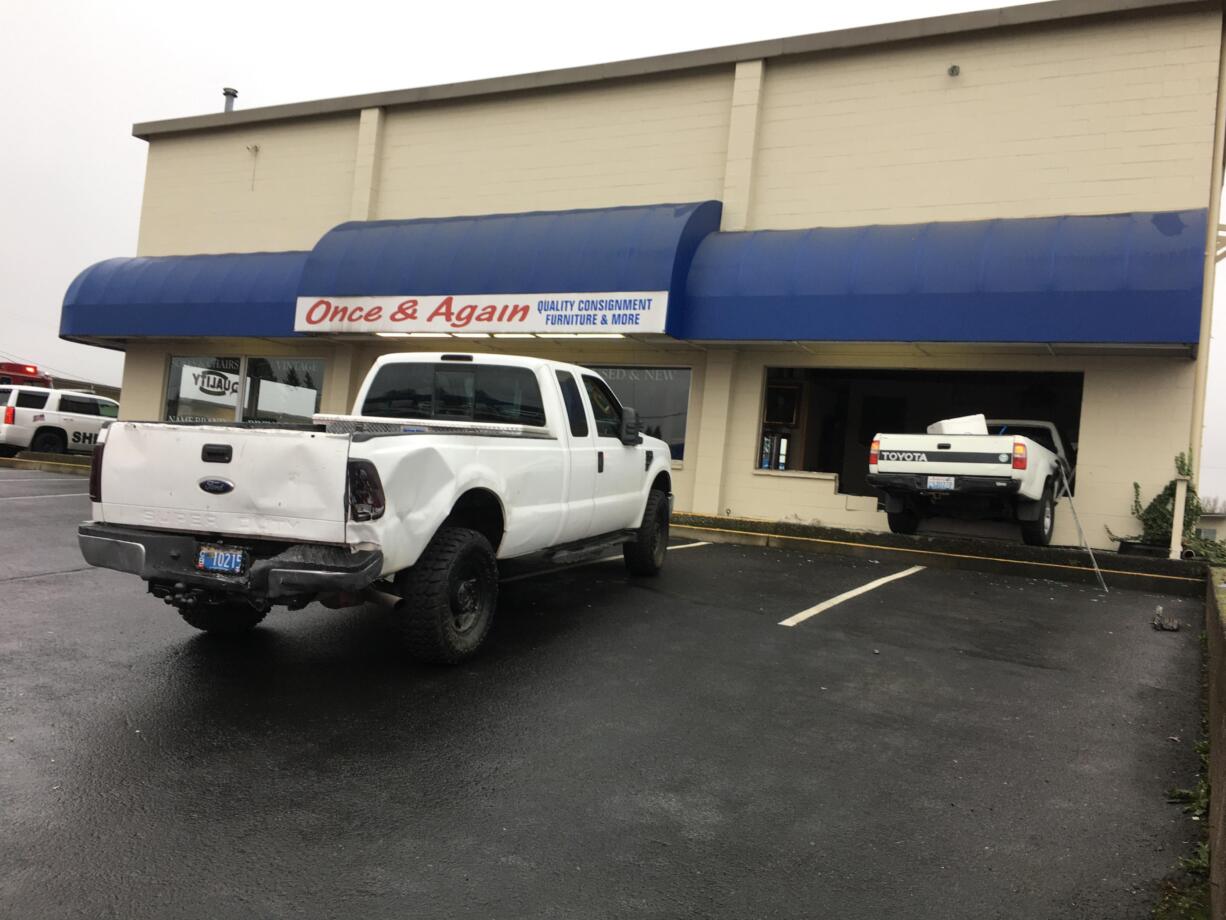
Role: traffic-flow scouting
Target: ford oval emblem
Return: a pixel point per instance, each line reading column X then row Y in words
column 216, row 486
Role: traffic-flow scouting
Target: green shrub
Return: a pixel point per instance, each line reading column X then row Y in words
column 1158, row 517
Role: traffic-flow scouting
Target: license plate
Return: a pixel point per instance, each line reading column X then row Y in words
column 941, row 483
column 222, row 559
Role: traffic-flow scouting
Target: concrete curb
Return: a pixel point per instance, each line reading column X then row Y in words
column 1163, row 576
column 44, row 466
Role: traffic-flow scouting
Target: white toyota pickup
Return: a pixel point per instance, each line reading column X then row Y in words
column 972, row 467
column 449, row 463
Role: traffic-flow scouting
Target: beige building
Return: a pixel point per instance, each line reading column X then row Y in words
column 1009, row 211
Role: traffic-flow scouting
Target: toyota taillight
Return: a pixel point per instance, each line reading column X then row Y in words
column 364, row 491
column 1019, row 456
column 9, row 415
column 95, row 474
column 872, row 453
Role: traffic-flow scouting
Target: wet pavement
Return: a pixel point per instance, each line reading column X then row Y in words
column 950, row 745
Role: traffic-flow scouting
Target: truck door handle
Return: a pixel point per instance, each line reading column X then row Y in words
column 600, row 461
column 216, row 453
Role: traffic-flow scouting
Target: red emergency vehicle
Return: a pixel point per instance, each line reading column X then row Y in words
column 27, row 374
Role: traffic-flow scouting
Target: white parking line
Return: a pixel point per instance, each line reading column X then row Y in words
column 848, row 595
column 579, row 565
column 13, row 498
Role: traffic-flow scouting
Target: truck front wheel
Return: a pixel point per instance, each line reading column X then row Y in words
column 231, row 618
column 905, row 521
column 1038, row 532
column 449, row 597
column 645, row 554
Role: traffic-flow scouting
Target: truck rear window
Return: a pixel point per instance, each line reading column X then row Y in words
column 5, row 392
column 1041, row 436
column 477, row 392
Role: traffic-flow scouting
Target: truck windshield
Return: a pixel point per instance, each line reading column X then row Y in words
column 476, row 392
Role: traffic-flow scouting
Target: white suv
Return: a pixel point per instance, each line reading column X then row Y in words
column 51, row 421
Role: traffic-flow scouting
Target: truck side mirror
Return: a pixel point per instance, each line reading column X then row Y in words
column 630, row 427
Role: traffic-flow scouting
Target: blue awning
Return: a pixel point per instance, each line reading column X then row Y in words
column 646, row 248
column 241, row 294
column 1116, row 279
column 1127, row 278
column 608, row 249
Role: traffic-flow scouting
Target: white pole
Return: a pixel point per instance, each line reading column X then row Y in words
column 1181, row 499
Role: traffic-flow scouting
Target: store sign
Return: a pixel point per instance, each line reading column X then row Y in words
column 209, row 386
column 625, row 312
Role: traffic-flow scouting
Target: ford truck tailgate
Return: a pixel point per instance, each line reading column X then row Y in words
column 272, row 483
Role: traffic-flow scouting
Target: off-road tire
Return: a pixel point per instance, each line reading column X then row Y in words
column 1038, row 532
column 48, row 441
column 645, row 554
column 228, row 619
column 906, row 522
column 449, row 597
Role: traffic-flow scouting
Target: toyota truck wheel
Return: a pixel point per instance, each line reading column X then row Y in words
column 225, row 619
column 449, row 597
column 1038, row 532
column 903, row 521
column 645, row 554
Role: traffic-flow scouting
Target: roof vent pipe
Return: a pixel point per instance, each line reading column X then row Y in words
column 231, row 94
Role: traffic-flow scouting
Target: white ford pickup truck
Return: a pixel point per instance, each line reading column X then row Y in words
column 972, row 467
column 449, row 463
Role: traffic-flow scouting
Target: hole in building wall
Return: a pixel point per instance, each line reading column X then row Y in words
column 823, row 420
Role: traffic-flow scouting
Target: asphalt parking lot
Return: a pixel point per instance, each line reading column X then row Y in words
column 947, row 745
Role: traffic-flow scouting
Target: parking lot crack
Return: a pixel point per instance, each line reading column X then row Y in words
column 84, row 568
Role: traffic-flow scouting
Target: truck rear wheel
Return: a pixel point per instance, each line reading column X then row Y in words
column 645, row 554
column 1038, row 532
column 906, row 521
column 230, row 618
column 449, row 597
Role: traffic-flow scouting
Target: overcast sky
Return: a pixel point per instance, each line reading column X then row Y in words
column 78, row 73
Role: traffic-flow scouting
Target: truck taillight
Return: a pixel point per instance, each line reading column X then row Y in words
column 1019, row 456
column 95, row 474
column 872, row 453
column 364, row 491
column 9, row 415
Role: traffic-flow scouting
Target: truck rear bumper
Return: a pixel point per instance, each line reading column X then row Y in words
column 916, row 483
column 297, row 570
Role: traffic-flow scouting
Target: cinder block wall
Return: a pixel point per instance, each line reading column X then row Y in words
column 631, row 142
column 1115, row 115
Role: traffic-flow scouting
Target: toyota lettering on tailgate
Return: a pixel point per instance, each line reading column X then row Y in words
column 904, row 455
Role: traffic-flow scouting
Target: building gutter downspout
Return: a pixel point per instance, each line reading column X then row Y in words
column 1206, row 309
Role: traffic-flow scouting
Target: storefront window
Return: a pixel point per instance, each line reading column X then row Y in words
column 282, row 390
column 202, row 389
column 660, row 395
